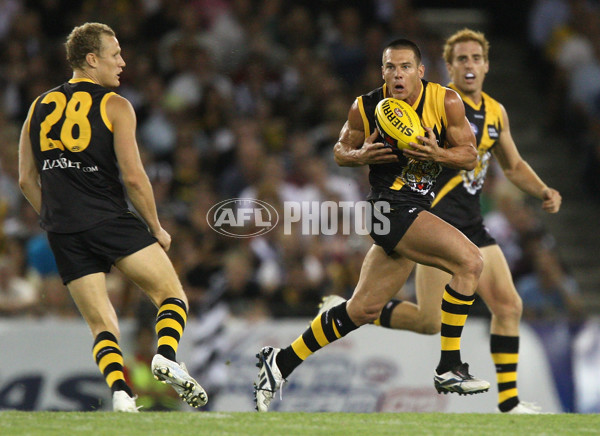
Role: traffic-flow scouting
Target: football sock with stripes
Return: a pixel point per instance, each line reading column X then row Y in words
column 324, row 329
column 170, row 322
column 505, row 354
column 455, row 309
column 385, row 318
column 108, row 357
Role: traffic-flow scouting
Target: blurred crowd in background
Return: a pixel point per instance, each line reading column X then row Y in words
column 565, row 38
column 246, row 98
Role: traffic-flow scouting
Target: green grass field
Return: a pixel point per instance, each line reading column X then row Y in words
column 291, row 424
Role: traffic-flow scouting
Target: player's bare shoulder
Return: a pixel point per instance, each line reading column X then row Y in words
column 119, row 109
column 116, row 102
column 455, row 111
column 353, row 134
column 453, row 101
column 355, row 120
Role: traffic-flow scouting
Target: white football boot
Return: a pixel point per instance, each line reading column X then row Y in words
column 269, row 378
column 329, row 301
column 176, row 375
column 460, row 381
column 122, row 402
column 524, row 408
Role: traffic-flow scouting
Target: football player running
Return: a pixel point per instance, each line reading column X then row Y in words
column 457, row 202
column 401, row 183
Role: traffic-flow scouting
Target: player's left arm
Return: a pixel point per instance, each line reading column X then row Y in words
column 139, row 189
column 29, row 178
column 518, row 171
column 460, row 152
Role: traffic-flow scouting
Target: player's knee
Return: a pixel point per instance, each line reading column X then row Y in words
column 363, row 314
column 367, row 316
column 509, row 309
column 430, row 327
column 473, row 262
column 518, row 307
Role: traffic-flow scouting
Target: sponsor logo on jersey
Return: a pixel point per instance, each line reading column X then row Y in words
column 64, row 163
column 492, row 132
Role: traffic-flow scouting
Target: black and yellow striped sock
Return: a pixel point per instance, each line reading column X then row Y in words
column 324, row 329
column 385, row 318
column 108, row 357
column 455, row 309
column 170, row 322
column 505, row 354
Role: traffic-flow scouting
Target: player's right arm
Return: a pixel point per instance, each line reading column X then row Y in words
column 518, row 171
column 353, row 149
column 122, row 116
column 459, row 152
column 29, row 178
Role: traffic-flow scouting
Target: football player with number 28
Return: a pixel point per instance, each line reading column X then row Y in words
column 77, row 142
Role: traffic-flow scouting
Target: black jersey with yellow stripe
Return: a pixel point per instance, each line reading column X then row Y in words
column 457, row 199
column 72, row 143
column 408, row 179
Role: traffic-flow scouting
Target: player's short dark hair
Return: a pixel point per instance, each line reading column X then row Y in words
column 85, row 39
column 401, row 43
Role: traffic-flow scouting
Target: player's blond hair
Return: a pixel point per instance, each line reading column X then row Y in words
column 85, row 39
column 465, row 35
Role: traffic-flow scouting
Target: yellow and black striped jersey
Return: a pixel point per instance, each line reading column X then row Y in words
column 72, row 143
column 457, row 191
column 408, row 179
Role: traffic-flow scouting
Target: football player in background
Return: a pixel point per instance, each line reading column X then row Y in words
column 402, row 181
column 457, row 201
column 76, row 143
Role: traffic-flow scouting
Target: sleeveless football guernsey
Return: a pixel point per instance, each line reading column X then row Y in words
column 409, row 179
column 72, row 143
column 458, row 192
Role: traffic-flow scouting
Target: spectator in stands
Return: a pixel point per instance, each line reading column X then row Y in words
column 18, row 296
column 40, row 257
column 591, row 159
column 346, row 49
column 239, row 287
column 247, row 167
column 157, row 128
column 549, row 291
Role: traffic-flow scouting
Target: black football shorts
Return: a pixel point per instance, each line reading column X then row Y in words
column 96, row 250
column 389, row 230
column 478, row 235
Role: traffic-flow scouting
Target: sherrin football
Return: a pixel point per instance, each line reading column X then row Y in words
column 397, row 123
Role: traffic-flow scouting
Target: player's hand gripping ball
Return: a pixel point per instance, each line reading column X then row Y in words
column 397, row 123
